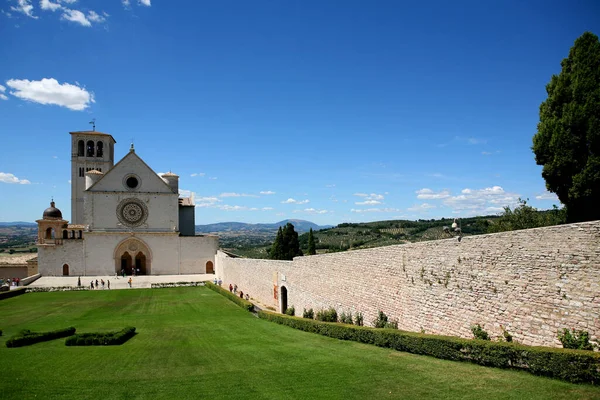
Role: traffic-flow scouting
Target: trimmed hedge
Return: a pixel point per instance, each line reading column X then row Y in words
column 236, row 299
column 575, row 366
column 12, row 293
column 101, row 338
column 26, row 337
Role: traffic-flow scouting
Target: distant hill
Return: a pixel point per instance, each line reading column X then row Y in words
column 18, row 223
column 301, row 226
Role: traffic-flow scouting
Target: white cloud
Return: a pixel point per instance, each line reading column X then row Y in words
column 486, row 153
column 10, row 178
column 421, row 207
column 226, row 207
column 267, row 208
column 480, row 201
column 210, row 199
column 185, row 193
column 372, row 196
column 212, row 178
column 267, row 192
column 2, row 95
column 311, row 211
column 126, row 3
column 95, row 17
column 69, row 181
column 367, row 203
column 428, row 194
column 470, row 140
column 145, row 3
column 233, row 194
column 49, row 91
column 75, row 16
column 369, row 210
column 197, row 174
column 547, row 196
column 48, row 5
column 293, row 201
column 25, row 7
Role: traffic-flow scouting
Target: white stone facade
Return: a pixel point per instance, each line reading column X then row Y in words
column 128, row 219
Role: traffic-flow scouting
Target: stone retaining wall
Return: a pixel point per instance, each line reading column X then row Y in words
column 532, row 282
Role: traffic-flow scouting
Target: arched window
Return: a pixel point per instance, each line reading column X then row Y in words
column 65, row 234
column 80, row 148
column 99, row 149
column 49, row 233
column 80, row 235
column 90, row 148
column 66, row 270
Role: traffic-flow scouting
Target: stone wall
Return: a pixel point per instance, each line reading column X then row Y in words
column 532, row 282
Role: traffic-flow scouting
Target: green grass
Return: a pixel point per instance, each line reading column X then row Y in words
column 192, row 343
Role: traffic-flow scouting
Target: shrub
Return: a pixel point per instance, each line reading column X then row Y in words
column 507, row 336
column 290, row 311
column 101, row 338
column 12, row 293
column 327, row 315
column 346, row 318
column 308, row 313
column 575, row 339
column 236, row 299
column 381, row 321
column 26, row 337
column 358, row 319
column 570, row 365
column 479, row 333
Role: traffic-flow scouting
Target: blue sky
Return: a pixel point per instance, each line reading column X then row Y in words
column 330, row 111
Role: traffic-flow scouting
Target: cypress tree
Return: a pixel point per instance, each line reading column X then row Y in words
column 311, row 243
column 277, row 247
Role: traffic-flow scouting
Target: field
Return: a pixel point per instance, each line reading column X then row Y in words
column 192, row 344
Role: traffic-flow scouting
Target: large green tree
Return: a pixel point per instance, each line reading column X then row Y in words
column 567, row 142
column 286, row 245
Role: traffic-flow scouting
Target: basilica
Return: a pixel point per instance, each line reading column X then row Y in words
column 124, row 218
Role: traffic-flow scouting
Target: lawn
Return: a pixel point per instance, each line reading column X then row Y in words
column 192, row 344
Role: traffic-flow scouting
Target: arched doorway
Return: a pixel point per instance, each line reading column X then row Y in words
column 284, row 299
column 210, row 268
column 140, row 264
column 130, row 254
column 126, row 263
column 66, row 270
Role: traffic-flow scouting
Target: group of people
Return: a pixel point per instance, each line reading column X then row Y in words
column 10, row 281
column 99, row 283
column 233, row 289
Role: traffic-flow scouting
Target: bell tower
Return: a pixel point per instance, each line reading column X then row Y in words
column 90, row 150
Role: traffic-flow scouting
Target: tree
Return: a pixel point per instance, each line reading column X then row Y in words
column 567, row 143
column 525, row 217
column 276, row 252
column 311, row 243
column 286, row 245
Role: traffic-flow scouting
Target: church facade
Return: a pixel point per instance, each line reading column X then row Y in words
column 124, row 218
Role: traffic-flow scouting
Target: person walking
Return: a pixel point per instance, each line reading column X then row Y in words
column 108, row 283
column 92, row 285
column 129, row 282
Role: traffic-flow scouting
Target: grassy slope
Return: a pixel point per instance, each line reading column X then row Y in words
column 192, row 343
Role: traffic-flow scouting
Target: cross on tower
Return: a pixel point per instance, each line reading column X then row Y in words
column 93, row 122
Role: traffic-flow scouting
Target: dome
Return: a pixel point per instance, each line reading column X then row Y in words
column 52, row 212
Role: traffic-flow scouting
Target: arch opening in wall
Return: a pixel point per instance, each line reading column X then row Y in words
column 80, row 235
column 210, row 267
column 65, row 234
column 133, row 253
column 81, row 148
column 65, row 270
column 90, row 148
column 283, row 299
column 99, row 149
column 49, row 233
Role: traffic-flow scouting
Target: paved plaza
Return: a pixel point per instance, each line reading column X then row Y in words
column 141, row 281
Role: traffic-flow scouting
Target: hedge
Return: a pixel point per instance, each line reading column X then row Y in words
column 236, row 299
column 12, row 293
column 26, row 337
column 575, row 366
column 101, row 338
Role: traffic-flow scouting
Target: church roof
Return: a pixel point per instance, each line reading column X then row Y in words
column 169, row 174
column 94, row 133
column 52, row 212
column 94, row 172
